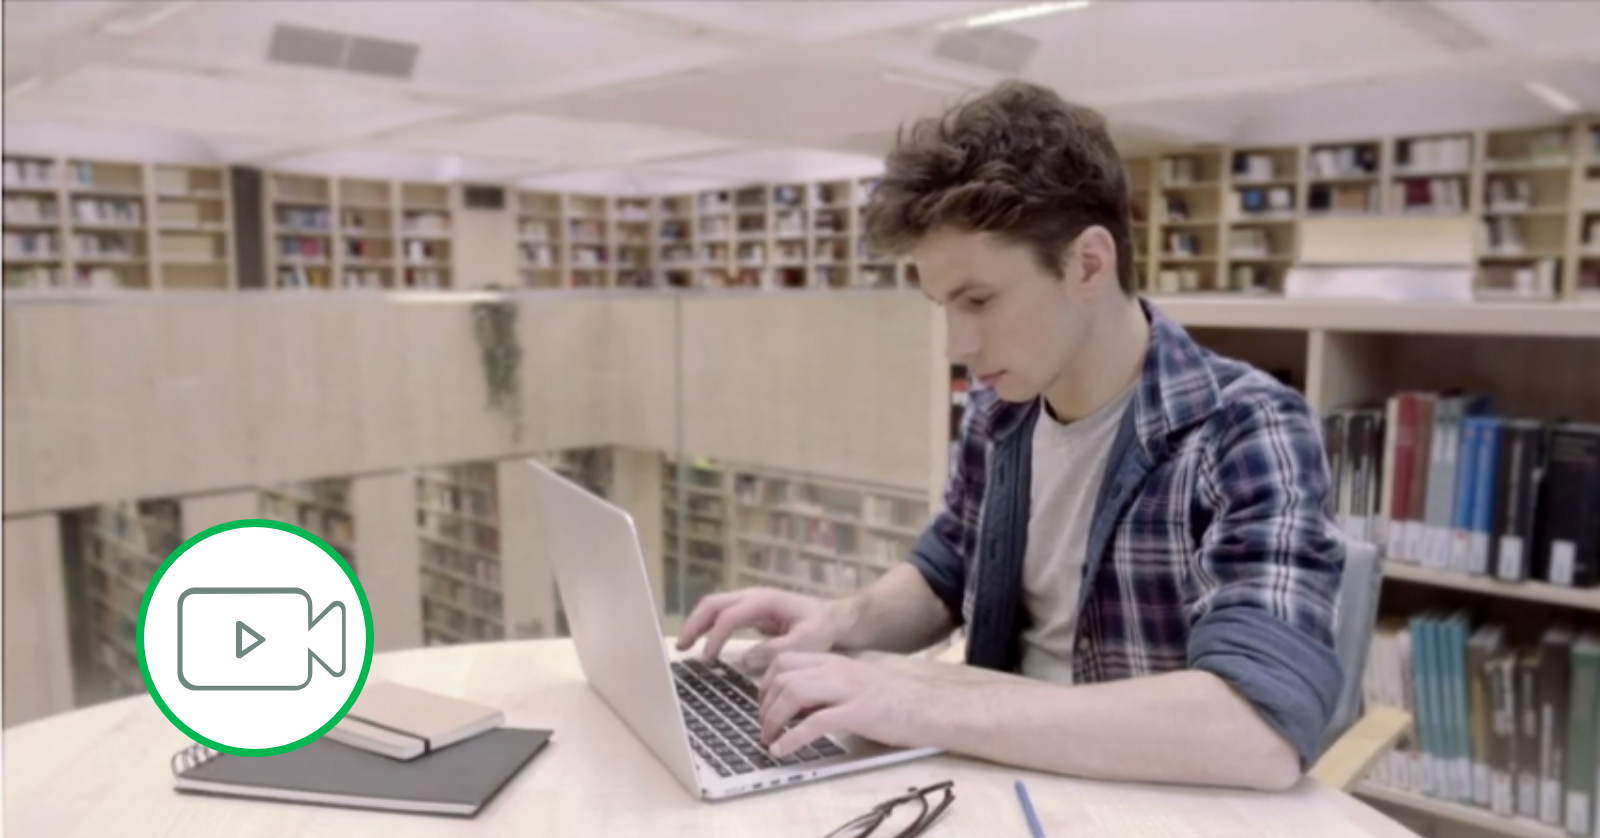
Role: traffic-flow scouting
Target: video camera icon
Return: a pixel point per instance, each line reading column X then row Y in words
column 256, row 639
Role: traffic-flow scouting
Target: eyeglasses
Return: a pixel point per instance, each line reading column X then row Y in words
column 867, row 824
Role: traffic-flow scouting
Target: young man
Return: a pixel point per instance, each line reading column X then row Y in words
column 1136, row 525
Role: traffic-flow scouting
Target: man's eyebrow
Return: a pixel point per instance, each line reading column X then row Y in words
column 965, row 286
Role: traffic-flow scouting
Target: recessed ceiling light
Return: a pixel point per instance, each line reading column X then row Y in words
column 145, row 16
column 1015, row 13
column 1553, row 96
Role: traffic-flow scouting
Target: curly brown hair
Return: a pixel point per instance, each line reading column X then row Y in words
column 1019, row 162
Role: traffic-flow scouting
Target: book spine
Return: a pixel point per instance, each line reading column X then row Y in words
column 1528, row 735
column 1555, row 658
column 1400, row 481
column 1485, row 494
column 1583, row 737
column 1480, row 704
column 1503, row 782
column 1421, row 459
column 1385, row 508
column 1465, row 496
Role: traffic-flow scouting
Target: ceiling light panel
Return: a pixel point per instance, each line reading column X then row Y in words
column 1015, row 14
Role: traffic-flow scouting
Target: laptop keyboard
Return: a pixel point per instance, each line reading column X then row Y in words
column 721, row 707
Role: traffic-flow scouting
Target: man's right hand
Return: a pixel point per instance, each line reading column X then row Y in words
column 790, row 622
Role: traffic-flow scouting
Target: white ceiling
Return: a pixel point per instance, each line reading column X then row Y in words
column 655, row 95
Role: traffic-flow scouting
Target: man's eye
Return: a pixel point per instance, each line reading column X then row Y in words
column 977, row 302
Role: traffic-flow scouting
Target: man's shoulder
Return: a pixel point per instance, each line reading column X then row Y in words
column 1251, row 395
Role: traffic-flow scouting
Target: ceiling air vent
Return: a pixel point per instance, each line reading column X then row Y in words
column 328, row 50
column 990, row 47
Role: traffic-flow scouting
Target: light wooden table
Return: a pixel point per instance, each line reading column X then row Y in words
column 103, row 772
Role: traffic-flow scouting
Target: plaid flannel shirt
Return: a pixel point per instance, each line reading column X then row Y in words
column 1210, row 548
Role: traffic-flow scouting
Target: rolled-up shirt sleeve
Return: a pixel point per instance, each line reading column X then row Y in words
column 1269, row 568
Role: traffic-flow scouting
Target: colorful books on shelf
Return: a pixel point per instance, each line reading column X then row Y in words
column 1442, row 480
column 1506, row 726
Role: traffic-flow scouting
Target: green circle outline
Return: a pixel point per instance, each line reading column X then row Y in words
column 366, row 613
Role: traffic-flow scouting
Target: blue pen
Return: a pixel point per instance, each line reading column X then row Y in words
column 1027, row 809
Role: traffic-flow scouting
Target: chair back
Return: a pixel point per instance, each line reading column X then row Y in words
column 1354, row 620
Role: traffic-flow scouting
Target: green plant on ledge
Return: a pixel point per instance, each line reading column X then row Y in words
column 495, row 324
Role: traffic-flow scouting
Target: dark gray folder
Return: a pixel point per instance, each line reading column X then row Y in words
column 458, row 780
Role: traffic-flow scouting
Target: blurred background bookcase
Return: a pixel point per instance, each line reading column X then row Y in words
column 1207, row 220
column 321, row 507
column 74, row 224
column 730, row 526
column 112, row 552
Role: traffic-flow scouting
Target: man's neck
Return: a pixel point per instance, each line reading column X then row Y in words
column 1111, row 362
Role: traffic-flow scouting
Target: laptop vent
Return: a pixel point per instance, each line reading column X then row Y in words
column 991, row 48
column 328, row 50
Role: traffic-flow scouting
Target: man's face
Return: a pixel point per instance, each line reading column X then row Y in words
column 1016, row 327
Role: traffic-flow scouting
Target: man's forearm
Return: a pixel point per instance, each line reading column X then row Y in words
column 898, row 613
column 1184, row 727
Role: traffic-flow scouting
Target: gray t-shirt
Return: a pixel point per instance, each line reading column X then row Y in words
column 1069, row 463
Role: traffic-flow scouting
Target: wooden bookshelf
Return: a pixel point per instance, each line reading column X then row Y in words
column 695, row 530
column 817, row 535
column 673, row 236
column 193, row 228
column 111, row 244
column 458, row 535
column 714, row 239
column 426, row 235
column 1585, row 235
column 832, row 228
column 369, row 252
column 35, row 225
column 321, row 507
column 1262, row 205
column 1190, row 203
column 541, row 240
column 872, row 269
column 300, row 241
column 631, row 239
column 113, row 551
column 591, row 260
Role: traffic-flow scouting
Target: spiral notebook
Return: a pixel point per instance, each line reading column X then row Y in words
column 459, row 780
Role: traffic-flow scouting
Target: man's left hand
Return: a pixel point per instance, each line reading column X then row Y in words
column 837, row 694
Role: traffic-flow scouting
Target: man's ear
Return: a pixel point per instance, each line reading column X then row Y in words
column 1095, row 252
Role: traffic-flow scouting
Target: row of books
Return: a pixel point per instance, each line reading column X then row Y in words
column 1441, row 480
column 96, row 211
column 1438, row 154
column 1535, row 279
column 1440, row 194
column 1258, row 200
column 1504, row 724
column 1354, row 199
column 25, row 209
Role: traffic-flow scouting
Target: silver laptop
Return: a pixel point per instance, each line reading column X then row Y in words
column 700, row 719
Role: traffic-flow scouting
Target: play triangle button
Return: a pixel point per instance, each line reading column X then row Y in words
column 239, row 631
